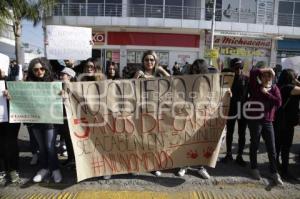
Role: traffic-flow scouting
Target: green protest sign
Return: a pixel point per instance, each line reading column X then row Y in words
column 35, row 102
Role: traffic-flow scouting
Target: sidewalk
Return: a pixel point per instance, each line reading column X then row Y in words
column 227, row 181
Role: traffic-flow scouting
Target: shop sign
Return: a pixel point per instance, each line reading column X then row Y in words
column 240, row 41
column 98, row 38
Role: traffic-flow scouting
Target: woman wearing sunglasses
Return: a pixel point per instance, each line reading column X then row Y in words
column 45, row 134
column 150, row 69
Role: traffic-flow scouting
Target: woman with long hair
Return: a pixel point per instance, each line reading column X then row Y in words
column 45, row 134
column 92, row 71
column 284, row 124
column 151, row 69
column 112, row 71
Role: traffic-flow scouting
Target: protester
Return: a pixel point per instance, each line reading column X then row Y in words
column 66, row 76
column 264, row 99
column 45, row 134
column 239, row 91
column 112, row 71
column 150, row 69
column 186, row 68
column 199, row 66
column 92, row 71
column 15, row 71
column 129, row 71
column 287, row 118
column 9, row 149
column 176, row 69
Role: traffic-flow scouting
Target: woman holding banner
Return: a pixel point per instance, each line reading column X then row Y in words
column 92, row 71
column 45, row 134
column 150, row 69
column 9, row 149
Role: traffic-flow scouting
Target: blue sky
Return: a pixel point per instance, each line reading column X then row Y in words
column 33, row 35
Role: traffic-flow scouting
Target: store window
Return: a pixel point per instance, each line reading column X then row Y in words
column 285, row 13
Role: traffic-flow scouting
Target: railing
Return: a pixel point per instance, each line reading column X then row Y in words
column 173, row 12
column 90, row 9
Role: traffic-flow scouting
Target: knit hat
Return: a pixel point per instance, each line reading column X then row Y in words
column 69, row 72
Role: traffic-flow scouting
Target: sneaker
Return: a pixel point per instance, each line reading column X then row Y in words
column 107, row 177
column 181, row 172
column 255, row 174
column 203, row 173
column 56, row 175
column 277, row 179
column 40, row 175
column 64, row 154
column 15, row 178
column 34, row 159
column 3, row 180
column 227, row 159
column 157, row 173
column 240, row 161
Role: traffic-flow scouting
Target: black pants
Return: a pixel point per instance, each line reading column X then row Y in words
column 265, row 129
column 242, row 125
column 284, row 139
column 9, row 149
column 64, row 131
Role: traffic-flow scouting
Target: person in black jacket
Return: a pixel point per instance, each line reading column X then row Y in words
column 287, row 117
column 9, row 149
column 239, row 91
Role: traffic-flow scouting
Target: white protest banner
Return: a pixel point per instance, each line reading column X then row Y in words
column 292, row 63
column 3, row 104
column 66, row 42
column 135, row 126
column 4, row 63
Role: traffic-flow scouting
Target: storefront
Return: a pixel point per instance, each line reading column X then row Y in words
column 287, row 48
column 126, row 48
column 250, row 50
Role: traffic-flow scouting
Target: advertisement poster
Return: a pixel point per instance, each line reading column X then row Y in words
column 265, row 11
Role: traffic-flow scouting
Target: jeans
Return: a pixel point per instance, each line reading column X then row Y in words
column 9, row 149
column 46, row 138
column 265, row 129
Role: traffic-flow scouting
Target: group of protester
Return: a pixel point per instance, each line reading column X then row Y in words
column 269, row 121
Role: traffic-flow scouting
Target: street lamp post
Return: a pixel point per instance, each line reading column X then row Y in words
column 212, row 30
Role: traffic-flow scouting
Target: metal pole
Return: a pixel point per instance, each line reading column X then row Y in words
column 212, row 29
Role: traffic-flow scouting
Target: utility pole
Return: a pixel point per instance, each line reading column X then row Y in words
column 212, row 30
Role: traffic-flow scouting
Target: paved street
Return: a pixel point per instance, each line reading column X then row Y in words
column 227, row 181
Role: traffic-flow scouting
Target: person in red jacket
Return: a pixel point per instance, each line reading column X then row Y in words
column 264, row 99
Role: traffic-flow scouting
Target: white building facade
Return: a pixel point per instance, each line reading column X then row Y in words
column 179, row 30
column 7, row 41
